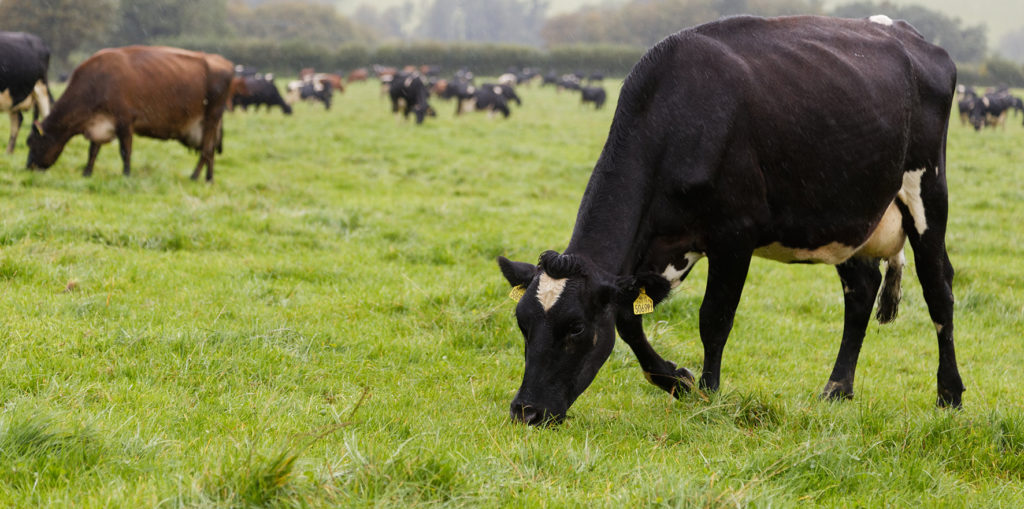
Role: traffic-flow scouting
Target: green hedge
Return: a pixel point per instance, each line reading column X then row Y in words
column 488, row 59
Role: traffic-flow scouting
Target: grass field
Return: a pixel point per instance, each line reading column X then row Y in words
column 325, row 326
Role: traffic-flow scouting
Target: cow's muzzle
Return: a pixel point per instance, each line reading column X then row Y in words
column 534, row 416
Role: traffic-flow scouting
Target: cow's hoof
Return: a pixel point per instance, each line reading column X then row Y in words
column 949, row 399
column 837, row 391
column 677, row 382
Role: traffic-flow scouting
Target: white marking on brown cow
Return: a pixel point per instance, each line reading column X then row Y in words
column 42, row 98
column 881, row 19
column 193, row 133
column 910, row 195
column 100, row 129
column 549, row 290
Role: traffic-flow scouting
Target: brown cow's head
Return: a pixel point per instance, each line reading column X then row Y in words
column 43, row 148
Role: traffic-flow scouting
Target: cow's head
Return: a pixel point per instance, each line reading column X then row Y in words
column 43, row 148
column 566, row 313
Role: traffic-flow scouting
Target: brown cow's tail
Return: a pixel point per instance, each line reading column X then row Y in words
column 889, row 297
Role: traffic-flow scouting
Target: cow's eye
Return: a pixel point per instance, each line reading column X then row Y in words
column 577, row 330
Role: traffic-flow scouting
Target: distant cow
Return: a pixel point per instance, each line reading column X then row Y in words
column 310, row 90
column 595, row 95
column 260, row 90
column 506, row 90
column 24, row 59
column 703, row 160
column 409, row 93
column 158, row 92
column 991, row 110
column 487, row 98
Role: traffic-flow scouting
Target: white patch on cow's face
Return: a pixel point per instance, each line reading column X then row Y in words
column 910, row 195
column 881, row 19
column 549, row 290
column 675, row 276
column 100, row 129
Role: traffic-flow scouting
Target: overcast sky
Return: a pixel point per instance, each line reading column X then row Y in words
column 1000, row 16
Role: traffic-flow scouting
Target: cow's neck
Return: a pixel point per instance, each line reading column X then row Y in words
column 609, row 225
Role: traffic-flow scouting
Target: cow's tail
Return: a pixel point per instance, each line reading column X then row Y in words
column 889, row 297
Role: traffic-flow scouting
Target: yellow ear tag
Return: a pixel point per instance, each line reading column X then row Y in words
column 517, row 293
column 643, row 304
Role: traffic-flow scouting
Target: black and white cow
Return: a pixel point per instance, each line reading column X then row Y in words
column 487, row 98
column 310, row 90
column 260, row 90
column 24, row 61
column 704, row 161
column 595, row 95
column 991, row 110
column 506, row 90
column 410, row 94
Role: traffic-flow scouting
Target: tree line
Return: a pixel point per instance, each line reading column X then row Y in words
column 74, row 28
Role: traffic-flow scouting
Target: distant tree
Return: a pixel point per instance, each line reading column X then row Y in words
column 386, row 24
column 65, row 25
column 964, row 44
column 1011, row 45
column 484, row 20
column 293, row 20
column 141, row 21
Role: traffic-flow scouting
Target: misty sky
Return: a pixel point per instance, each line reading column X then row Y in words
column 1001, row 16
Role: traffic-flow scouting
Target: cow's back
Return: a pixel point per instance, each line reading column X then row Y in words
column 24, row 60
column 781, row 106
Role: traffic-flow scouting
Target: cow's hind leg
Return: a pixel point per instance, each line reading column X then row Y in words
column 657, row 370
column 15, row 124
column 124, row 139
column 860, row 278
column 935, row 272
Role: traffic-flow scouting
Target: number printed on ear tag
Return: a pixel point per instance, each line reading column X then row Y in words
column 517, row 293
column 643, row 303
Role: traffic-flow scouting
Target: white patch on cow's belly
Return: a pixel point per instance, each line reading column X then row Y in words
column 192, row 134
column 675, row 276
column 101, row 129
column 881, row 19
column 549, row 290
column 832, row 253
column 910, row 195
column 42, row 98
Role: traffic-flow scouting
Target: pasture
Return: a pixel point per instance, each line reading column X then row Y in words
column 326, row 326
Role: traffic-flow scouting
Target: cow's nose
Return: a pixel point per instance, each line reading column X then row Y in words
column 527, row 414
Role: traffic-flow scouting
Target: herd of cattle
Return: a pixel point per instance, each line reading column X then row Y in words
column 989, row 110
column 171, row 93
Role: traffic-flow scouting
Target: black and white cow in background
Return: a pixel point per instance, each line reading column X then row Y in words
column 260, row 90
column 410, row 94
column 992, row 109
column 24, row 61
column 703, row 161
column 310, row 90
column 506, row 90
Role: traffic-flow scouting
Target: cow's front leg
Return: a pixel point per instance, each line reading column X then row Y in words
column 860, row 278
column 94, row 150
column 15, row 126
column 726, row 275
column 657, row 370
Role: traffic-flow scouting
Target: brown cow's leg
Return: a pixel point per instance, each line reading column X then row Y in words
column 658, row 371
column 124, row 138
column 15, row 126
column 94, row 150
column 860, row 278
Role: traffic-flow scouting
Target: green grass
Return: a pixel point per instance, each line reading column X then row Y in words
column 325, row 326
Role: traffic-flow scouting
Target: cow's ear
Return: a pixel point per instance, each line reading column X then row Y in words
column 628, row 288
column 517, row 273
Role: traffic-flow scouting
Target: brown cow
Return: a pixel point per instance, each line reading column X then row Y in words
column 158, row 92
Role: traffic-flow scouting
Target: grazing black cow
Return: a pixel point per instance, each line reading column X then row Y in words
column 488, row 98
column 409, row 92
column 702, row 160
column 506, row 90
column 595, row 95
column 260, row 90
column 966, row 97
column 991, row 110
column 24, row 60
